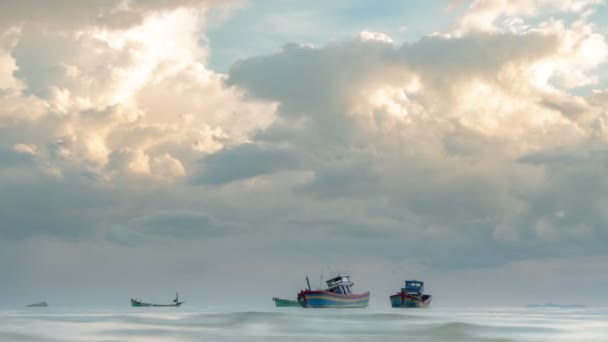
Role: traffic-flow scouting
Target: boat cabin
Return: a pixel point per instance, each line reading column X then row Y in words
column 413, row 286
column 340, row 285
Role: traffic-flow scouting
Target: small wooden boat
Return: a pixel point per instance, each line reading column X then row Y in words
column 280, row 303
column 338, row 294
column 38, row 305
column 411, row 296
column 139, row 303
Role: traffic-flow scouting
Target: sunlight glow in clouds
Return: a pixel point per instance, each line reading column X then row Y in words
column 169, row 39
column 121, row 75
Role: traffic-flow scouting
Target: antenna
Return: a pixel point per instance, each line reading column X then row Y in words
column 321, row 281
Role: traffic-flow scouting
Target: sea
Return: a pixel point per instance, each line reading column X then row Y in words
column 297, row 324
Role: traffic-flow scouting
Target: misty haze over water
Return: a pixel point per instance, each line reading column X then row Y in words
column 296, row 324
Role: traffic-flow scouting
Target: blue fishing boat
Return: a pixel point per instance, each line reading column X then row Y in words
column 338, row 294
column 411, row 296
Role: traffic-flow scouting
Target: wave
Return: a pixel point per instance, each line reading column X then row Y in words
column 297, row 325
column 19, row 337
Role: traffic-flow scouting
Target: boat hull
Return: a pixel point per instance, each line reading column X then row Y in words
column 138, row 304
column 401, row 300
column 38, row 305
column 283, row 303
column 324, row 299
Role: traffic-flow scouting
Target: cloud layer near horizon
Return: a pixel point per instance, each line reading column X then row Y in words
column 481, row 146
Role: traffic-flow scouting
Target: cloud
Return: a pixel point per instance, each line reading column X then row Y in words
column 99, row 99
column 74, row 14
column 375, row 36
column 438, row 131
column 243, row 162
column 81, row 91
column 483, row 14
column 33, row 205
column 479, row 147
column 19, row 154
column 170, row 226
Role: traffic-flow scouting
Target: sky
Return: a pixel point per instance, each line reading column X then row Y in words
column 229, row 149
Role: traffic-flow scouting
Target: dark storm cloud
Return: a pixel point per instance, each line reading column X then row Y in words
column 243, row 162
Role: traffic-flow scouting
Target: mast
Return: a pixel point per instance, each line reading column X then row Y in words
column 308, row 282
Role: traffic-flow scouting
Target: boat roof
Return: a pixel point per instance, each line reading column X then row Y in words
column 342, row 280
column 414, row 281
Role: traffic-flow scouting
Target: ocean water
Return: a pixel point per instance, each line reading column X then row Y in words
column 296, row 324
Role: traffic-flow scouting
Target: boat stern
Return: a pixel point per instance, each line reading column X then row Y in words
column 400, row 300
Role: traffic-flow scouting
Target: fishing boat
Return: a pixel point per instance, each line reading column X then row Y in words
column 338, row 294
column 38, row 305
column 280, row 303
column 411, row 296
column 139, row 303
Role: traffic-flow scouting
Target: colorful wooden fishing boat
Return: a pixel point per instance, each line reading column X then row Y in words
column 280, row 303
column 411, row 296
column 139, row 303
column 38, row 305
column 338, row 294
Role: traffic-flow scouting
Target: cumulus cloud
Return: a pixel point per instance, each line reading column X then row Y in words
column 82, row 91
column 439, row 129
column 484, row 14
